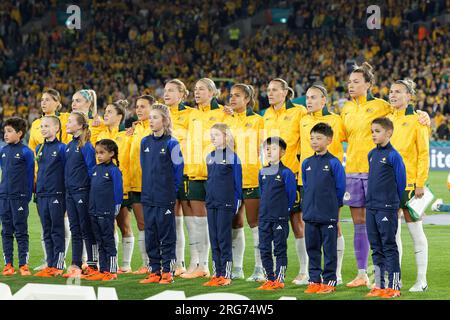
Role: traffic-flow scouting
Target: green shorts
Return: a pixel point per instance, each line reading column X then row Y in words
column 406, row 196
column 298, row 200
column 183, row 190
column 251, row 193
column 196, row 190
column 134, row 197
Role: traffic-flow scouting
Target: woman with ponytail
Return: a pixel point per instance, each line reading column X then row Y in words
column 175, row 93
column 281, row 119
column 201, row 119
column 247, row 129
column 113, row 118
column 357, row 115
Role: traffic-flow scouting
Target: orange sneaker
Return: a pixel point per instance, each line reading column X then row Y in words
column 360, row 281
column 107, row 276
column 376, row 292
column 152, row 278
column 212, row 282
column 94, row 276
column 24, row 270
column 325, row 289
column 222, row 281
column 89, row 271
column 124, row 270
column 179, row 271
column 313, row 287
column 200, row 272
column 166, row 278
column 142, row 270
column 391, row 293
column 266, row 286
column 45, row 273
column 72, row 272
column 8, row 270
column 57, row 272
column 278, row 285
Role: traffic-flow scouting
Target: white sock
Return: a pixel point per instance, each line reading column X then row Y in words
column 203, row 236
column 420, row 249
column 340, row 255
column 43, row 248
column 180, row 241
column 127, row 248
column 142, row 250
column 84, row 256
column 238, row 245
column 67, row 234
column 302, row 255
column 255, row 234
column 116, row 240
column 398, row 239
column 193, row 241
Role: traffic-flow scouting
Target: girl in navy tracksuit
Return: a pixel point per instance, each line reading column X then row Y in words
column 16, row 187
column 162, row 172
column 105, row 199
column 223, row 198
column 50, row 193
column 80, row 163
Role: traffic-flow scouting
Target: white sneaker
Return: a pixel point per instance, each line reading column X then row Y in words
column 257, row 276
column 419, row 287
column 237, row 273
column 302, row 279
column 41, row 267
column 434, row 206
column 338, row 281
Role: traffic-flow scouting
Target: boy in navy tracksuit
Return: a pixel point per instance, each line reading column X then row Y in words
column 80, row 163
column 278, row 189
column 162, row 173
column 324, row 187
column 223, row 198
column 50, row 194
column 16, row 187
column 386, row 183
column 105, row 199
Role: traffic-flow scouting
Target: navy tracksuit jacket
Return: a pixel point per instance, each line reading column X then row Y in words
column 278, row 189
column 51, row 202
column 80, row 163
column 105, row 199
column 162, row 173
column 223, row 198
column 386, row 183
column 16, row 187
column 324, row 187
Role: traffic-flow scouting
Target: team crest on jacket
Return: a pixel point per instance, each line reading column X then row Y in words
column 163, row 151
column 180, row 119
column 287, row 118
column 405, row 124
column 369, row 110
column 383, row 160
column 54, row 154
column 278, row 178
column 212, row 119
column 17, row 156
column 248, row 125
column 326, row 168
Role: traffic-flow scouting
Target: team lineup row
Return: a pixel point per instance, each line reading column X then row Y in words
column 291, row 122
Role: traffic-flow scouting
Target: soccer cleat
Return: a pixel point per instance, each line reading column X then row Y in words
column 359, row 282
column 73, row 272
column 142, row 270
column 94, row 276
column 57, row 272
column 436, row 204
column 266, row 286
column 302, row 279
column 41, row 267
column 222, row 281
column 390, row 293
column 212, row 282
column 107, row 276
column 123, row 270
column 45, row 273
column 325, row 289
column 419, row 287
column 166, row 278
column 8, row 270
column 25, row 270
column 376, row 292
column 89, row 271
column 313, row 287
column 257, row 276
column 198, row 273
column 237, row 273
column 152, row 278
column 179, row 271
column 277, row 285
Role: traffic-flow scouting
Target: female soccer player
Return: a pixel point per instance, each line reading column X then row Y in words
column 175, row 93
column 411, row 140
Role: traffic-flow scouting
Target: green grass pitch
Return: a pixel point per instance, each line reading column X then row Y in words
column 128, row 286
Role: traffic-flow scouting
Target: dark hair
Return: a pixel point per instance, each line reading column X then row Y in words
column 110, row 146
column 249, row 92
column 323, row 128
column 367, row 70
column 120, row 106
column 147, row 97
column 18, row 124
column 384, row 122
column 276, row 140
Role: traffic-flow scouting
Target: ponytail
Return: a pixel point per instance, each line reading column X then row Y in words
column 110, row 146
column 90, row 96
column 284, row 85
column 409, row 84
column 249, row 92
column 82, row 120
